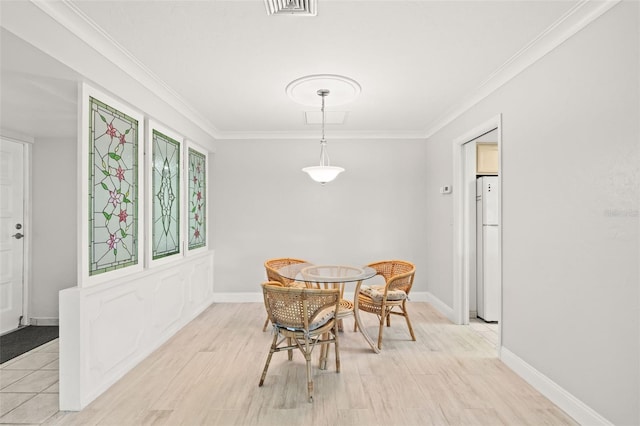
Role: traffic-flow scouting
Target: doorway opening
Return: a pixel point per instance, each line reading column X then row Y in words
column 477, row 229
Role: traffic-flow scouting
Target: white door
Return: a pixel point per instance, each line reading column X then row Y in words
column 11, row 234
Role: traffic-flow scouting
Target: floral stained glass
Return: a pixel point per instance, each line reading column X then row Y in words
column 113, row 189
column 197, row 205
column 166, row 196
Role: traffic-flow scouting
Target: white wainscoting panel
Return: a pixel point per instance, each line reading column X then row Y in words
column 169, row 301
column 116, row 325
column 199, row 281
column 106, row 329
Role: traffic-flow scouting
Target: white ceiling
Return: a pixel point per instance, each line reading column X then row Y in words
column 38, row 93
column 229, row 61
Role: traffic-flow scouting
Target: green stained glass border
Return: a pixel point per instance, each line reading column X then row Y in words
column 113, row 188
column 165, row 192
column 197, row 199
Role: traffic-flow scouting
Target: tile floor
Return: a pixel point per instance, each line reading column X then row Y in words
column 29, row 386
column 488, row 330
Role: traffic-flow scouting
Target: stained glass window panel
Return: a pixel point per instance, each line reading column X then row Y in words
column 166, row 196
column 197, row 200
column 113, row 189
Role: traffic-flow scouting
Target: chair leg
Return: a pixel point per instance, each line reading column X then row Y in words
column 271, row 351
column 383, row 315
column 307, row 356
column 337, row 348
column 406, row 316
column 324, row 354
column 266, row 323
column 290, row 351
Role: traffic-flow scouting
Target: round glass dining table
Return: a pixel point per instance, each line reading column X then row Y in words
column 334, row 274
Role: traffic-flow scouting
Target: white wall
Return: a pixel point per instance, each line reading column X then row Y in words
column 265, row 206
column 439, row 220
column 54, row 221
column 570, row 160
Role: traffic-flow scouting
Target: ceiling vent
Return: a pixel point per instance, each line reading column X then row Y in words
column 292, row 7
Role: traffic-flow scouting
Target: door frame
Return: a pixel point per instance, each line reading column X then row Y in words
column 26, row 143
column 464, row 220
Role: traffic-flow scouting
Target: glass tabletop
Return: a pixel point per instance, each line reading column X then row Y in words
column 309, row 272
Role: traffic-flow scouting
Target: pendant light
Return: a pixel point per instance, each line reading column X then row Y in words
column 325, row 172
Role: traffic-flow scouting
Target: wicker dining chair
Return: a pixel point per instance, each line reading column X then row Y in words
column 303, row 318
column 346, row 305
column 272, row 266
column 382, row 299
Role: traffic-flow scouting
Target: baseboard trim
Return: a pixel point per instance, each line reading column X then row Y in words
column 44, row 321
column 575, row 408
column 238, row 297
column 440, row 306
column 419, row 296
column 256, row 297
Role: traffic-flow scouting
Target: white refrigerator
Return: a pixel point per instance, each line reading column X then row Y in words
column 487, row 248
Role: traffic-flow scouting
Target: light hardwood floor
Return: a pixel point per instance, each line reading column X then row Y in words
column 208, row 374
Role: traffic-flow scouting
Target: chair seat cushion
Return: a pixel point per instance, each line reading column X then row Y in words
column 322, row 317
column 376, row 293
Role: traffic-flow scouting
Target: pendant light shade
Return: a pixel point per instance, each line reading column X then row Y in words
column 325, row 172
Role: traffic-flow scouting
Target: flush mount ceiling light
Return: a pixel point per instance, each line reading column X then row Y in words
column 291, row 7
column 325, row 172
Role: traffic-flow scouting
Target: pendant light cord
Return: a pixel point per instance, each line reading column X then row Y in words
column 323, row 116
column 324, row 156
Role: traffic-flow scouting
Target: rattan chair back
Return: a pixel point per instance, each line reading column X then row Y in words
column 398, row 274
column 296, row 308
column 272, row 265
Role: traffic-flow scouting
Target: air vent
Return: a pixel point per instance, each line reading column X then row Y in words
column 291, row 7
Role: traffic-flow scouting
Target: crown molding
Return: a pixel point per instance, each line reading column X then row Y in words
column 14, row 136
column 344, row 135
column 80, row 25
column 574, row 20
